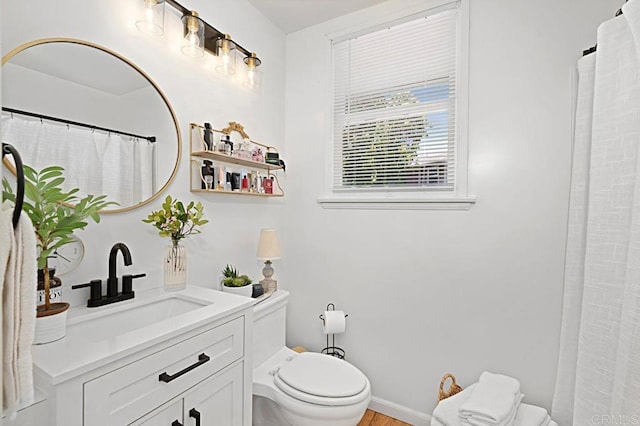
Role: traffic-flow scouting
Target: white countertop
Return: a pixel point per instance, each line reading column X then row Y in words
column 78, row 352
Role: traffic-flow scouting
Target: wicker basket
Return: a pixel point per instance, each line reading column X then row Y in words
column 453, row 388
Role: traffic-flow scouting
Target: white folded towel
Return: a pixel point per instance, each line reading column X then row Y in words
column 18, row 269
column 530, row 415
column 494, row 401
column 446, row 412
column 481, row 420
column 436, row 422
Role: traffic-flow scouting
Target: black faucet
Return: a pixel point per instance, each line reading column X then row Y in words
column 112, row 296
column 112, row 281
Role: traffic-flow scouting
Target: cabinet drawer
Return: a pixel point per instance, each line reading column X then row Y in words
column 126, row 394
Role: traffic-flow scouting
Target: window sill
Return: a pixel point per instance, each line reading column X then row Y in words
column 353, row 203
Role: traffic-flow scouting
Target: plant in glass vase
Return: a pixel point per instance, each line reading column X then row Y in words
column 55, row 215
column 176, row 221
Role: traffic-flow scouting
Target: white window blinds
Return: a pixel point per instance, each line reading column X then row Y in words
column 394, row 106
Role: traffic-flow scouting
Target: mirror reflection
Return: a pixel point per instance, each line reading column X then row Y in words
column 80, row 106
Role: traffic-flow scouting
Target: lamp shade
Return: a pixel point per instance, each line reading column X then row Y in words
column 268, row 246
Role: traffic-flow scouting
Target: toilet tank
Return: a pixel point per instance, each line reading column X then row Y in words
column 269, row 324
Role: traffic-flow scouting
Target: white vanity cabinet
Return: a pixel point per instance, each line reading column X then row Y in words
column 217, row 400
column 199, row 375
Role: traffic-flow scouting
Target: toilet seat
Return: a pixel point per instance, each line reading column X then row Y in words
column 321, row 379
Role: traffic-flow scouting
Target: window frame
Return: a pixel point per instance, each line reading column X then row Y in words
column 409, row 198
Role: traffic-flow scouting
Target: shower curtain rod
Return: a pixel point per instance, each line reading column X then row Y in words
column 76, row 123
column 595, row 46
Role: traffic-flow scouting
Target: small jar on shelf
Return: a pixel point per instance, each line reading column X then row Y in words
column 224, row 146
column 243, row 150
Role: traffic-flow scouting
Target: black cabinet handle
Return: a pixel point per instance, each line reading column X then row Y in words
column 176, row 423
column 196, row 415
column 202, row 358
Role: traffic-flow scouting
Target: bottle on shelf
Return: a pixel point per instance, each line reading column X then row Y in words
column 208, row 136
column 227, row 183
column 244, row 151
column 245, row 183
column 267, row 184
column 225, row 146
column 235, row 181
column 208, row 174
column 222, row 178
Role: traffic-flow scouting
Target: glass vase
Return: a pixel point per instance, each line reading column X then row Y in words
column 175, row 267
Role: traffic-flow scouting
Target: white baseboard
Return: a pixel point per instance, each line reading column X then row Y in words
column 399, row 412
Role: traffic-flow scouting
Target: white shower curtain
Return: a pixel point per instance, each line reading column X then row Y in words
column 97, row 162
column 598, row 379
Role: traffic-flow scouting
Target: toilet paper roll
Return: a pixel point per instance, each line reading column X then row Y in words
column 334, row 322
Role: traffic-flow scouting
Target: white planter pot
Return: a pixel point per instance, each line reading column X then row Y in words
column 246, row 290
column 50, row 328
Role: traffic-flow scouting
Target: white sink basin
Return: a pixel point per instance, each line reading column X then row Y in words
column 123, row 319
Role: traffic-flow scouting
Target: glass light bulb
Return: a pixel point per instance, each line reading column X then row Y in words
column 193, row 39
column 151, row 17
column 253, row 76
column 193, row 44
column 148, row 12
column 227, row 54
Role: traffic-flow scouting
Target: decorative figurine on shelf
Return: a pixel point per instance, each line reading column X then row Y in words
column 176, row 221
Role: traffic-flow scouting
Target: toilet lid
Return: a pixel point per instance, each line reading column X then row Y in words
column 322, row 376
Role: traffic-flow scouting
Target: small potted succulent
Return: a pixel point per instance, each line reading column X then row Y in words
column 234, row 283
column 55, row 215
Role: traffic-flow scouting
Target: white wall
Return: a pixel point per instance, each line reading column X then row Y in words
column 431, row 292
column 197, row 95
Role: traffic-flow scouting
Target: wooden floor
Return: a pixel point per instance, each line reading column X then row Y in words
column 371, row 418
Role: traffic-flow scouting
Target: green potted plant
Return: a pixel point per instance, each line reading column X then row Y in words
column 234, row 283
column 55, row 215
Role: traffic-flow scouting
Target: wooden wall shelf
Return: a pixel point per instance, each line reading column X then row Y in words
column 198, row 153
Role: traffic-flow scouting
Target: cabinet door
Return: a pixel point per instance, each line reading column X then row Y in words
column 124, row 395
column 216, row 401
column 164, row 416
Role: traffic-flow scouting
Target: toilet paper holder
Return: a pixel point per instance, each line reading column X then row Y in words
column 332, row 349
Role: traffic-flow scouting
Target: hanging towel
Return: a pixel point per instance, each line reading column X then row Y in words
column 494, row 401
column 18, row 267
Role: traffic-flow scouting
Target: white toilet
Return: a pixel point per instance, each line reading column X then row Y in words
column 307, row 389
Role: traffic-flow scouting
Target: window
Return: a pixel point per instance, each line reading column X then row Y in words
column 395, row 107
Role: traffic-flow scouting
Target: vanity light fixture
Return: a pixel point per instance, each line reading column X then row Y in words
column 254, row 75
column 226, row 50
column 199, row 37
column 193, row 43
column 151, row 17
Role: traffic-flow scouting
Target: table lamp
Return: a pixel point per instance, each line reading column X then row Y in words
column 268, row 250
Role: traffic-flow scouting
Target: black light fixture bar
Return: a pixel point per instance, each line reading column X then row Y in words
column 211, row 34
